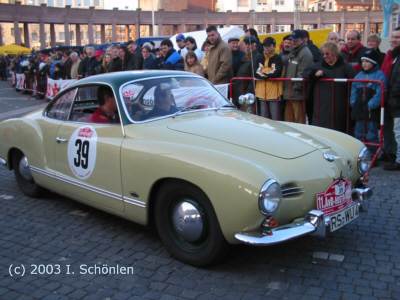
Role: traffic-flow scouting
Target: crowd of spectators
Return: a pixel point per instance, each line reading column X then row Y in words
column 316, row 102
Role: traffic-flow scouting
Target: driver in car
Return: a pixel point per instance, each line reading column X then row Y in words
column 107, row 112
column 163, row 104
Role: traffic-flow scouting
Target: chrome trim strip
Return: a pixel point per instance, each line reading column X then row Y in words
column 3, row 162
column 134, row 202
column 89, row 187
column 292, row 191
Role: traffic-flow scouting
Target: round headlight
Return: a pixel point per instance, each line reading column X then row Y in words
column 270, row 197
column 364, row 160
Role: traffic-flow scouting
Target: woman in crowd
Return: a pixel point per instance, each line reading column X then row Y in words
column 126, row 58
column 58, row 72
column 341, row 44
column 107, row 62
column 44, row 73
column 327, row 114
column 373, row 42
column 150, row 61
column 206, row 49
column 192, row 63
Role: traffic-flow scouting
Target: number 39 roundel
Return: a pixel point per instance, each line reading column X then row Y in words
column 82, row 148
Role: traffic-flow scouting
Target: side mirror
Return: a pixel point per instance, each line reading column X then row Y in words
column 247, row 99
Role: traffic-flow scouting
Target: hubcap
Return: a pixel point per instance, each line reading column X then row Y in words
column 187, row 221
column 24, row 169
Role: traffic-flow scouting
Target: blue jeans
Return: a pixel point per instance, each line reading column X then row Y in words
column 369, row 134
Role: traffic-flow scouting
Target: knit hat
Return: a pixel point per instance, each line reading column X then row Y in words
column 372, row 56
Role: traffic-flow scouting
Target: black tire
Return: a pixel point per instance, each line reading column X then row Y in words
column 207, row 245
column 27, row 185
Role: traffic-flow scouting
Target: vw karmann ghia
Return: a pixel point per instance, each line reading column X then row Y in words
column 178, row 153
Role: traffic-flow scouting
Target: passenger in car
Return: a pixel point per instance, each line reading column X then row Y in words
column 107, row 112
column 163, row 104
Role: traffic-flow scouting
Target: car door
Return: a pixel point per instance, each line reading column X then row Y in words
column 88, row 155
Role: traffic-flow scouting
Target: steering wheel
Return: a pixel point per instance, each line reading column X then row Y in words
column 206, row 102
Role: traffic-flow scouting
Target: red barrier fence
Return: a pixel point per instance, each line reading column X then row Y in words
column 348, row 120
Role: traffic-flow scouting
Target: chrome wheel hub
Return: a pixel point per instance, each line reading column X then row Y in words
column 24, row 169
column 187, row 221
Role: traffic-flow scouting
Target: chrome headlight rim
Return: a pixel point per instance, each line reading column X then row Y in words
column 364, row 161
column 269, row 206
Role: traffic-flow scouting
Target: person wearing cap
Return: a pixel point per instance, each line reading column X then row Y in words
column 354, row 50
column 324, row 93
column 268, row 92
column 237, row 54
column 392, row 101
column 252, row 32
column 366, row 100
column 91, row 62
column 247, row 68
column 300, row 58
column 180, row 41
column 287, row 48
column 219, row 70
column 99, row 69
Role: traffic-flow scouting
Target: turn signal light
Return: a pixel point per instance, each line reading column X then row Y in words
column 365, row 179
column 273, row 223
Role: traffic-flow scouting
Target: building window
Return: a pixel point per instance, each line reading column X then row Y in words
column 42, row 1
column 330, row 5
column 60, row 3
column 262, row 2
column 78, row 2
column 97, row 35
column 243, row 3
column 32, row 2
column 96, row 2
column 87, row 3
column 12, row 31
column 71, row 35
column 279, row 2
column 61, row 36
column 68, row 2
column 280, row 28
column 34, row 37
column 50, row 3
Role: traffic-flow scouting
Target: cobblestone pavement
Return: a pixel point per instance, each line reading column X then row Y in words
column 56, row 242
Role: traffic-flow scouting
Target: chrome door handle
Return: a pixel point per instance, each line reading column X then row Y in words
column 60, row 140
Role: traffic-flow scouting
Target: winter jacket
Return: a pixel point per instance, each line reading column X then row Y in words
column 116, row 65
column 219, row 69
column 173, row 61
column 266, row 89
column 137, row 59
column 366, row 98
column 322, row 113
column 91, row 65
column 393, row 86
column 353, row 57
column 315, row 51
column 150, row 63
column 197, row 69
column 237, row 60
column 300, row 58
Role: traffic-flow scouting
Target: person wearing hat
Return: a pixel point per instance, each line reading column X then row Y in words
column 99, row 69
column 287, row 48
column 300, row 58
column 247, row 68
column 366, row 100
column 268, row 92
column 237, row 54
column 219, row 70
column 180, row 41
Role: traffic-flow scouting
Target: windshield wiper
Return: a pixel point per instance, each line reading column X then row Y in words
column 226, row 105
column 194, row 106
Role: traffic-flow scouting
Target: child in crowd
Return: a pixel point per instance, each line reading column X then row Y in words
column 366, row 99
column 192, row 63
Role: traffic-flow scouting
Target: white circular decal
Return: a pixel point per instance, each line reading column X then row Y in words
column 82, row 148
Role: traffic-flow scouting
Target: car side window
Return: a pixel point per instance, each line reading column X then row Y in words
column 85, row 104
column 61, row 108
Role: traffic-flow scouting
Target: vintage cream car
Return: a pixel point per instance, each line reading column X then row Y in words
column 176, row 152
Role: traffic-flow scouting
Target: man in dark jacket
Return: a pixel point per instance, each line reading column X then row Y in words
column 172, row 59
column 99, row 69
column 137, row 57
column 354, row 50
column 83, row 63
column 252, row 32
column 287, row 48
column 393, row 97
column 237, row 54
column 116, row 63
column 316, row 53
column 91, row 63
column 67, row 65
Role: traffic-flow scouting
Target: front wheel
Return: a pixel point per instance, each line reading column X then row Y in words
column 24, row 178
column 188, row 226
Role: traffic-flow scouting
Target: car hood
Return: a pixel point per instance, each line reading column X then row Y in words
column 249, row 131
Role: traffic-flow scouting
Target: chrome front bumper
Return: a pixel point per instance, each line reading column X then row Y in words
column 315, row 224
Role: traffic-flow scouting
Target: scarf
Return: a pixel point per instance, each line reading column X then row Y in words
column 351, row 52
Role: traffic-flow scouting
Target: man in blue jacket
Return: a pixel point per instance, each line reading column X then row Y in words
column 172, row 59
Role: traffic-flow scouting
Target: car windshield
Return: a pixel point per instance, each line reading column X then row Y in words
column 165, row 97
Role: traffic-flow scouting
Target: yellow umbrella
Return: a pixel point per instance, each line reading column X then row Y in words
column 14, row 49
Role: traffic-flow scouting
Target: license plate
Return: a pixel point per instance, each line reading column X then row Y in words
column 344, row 217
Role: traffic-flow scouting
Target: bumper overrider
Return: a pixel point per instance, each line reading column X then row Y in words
column 315, row 224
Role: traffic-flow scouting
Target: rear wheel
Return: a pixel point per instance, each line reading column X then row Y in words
column 188, row 225
column 24, row 178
